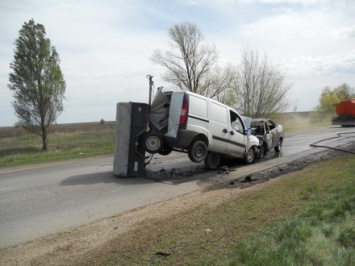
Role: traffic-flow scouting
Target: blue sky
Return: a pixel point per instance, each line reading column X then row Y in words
column 105, row 46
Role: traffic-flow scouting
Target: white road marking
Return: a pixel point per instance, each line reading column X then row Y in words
column 6, row 189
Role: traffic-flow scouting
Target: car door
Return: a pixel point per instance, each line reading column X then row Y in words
column 264, row 129
column 273, row 133
column 237, row 139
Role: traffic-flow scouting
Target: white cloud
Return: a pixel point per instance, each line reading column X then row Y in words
column 327, row 65
column 343, row 33
column 103, row 59
column 300, row 2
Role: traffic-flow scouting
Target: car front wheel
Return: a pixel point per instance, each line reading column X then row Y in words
column 278, row 147
column 261, row 152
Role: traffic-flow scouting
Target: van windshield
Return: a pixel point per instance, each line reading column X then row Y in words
column 236, row 122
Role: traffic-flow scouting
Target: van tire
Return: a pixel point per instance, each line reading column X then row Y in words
column 250, row 156
column 212, row 160
column 197, row 151
column 166, row 150
column 153, row 142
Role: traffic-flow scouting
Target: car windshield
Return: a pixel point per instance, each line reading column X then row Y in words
column 256, row 123
column 247, row 121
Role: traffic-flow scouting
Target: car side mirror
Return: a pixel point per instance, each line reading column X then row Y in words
column 249, row 131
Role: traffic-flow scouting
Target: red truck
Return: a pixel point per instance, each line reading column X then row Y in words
column 346, row 113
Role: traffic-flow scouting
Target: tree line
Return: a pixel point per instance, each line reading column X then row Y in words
column 330, row 97
column 255, row 87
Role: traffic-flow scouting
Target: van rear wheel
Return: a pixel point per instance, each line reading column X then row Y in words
column 212, row 160
column 153, row 142
column 197, row 151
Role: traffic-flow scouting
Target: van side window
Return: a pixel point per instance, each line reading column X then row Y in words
column 236, row 122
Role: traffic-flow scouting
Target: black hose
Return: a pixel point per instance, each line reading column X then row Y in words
column 333, row 148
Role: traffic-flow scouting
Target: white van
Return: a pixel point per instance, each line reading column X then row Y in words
column 202, row 127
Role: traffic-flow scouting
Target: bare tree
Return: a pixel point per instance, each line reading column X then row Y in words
column 260, row 86
column 192, row 65
column 221, row 85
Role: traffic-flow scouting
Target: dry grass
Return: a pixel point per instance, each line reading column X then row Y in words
column 26, row 149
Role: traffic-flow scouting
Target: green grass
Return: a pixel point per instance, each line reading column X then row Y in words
column 321, row 234
column 302, row 218
column 26, row 149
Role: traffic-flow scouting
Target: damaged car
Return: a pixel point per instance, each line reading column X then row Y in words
column 270, row 134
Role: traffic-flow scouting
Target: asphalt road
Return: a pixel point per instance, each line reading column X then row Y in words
column 40, row 200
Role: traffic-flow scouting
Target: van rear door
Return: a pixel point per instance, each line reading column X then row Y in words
column 176, row 103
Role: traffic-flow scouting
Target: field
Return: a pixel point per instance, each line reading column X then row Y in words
column 18, row 147
column 70, row 141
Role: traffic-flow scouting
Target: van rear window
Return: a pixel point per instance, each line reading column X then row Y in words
column 198, row 107
column 219, row 113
